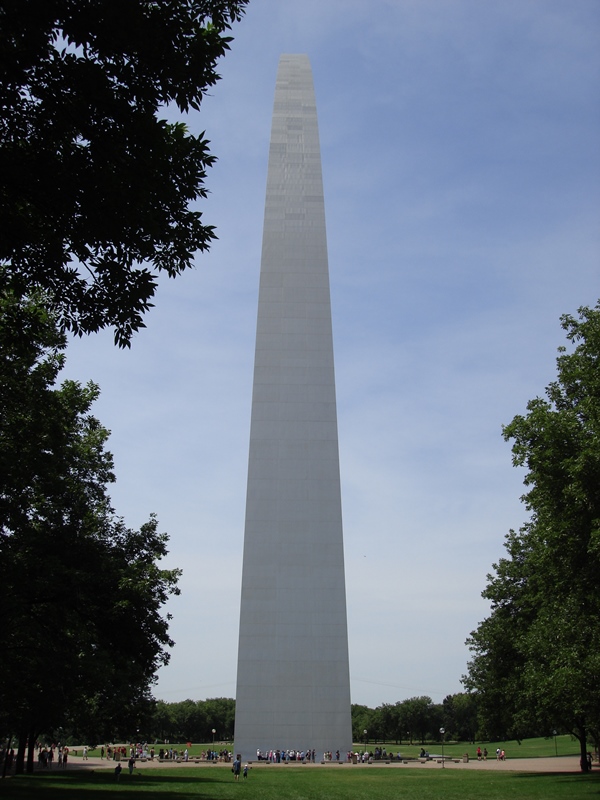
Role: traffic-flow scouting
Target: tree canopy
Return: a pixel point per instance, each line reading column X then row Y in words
column 413, row 719
column 81, row 593
column 193, row 721
column 537, row 656
column 97, row 191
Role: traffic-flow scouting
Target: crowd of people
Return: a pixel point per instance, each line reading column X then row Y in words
column 310, row 756
column 280, row 756
column 47, row 754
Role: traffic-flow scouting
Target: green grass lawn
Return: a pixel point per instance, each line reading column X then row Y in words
column 302, row 783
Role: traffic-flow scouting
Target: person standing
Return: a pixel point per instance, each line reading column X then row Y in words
column 237, row 765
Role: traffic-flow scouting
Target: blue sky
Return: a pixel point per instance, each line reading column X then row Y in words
column 461, row 165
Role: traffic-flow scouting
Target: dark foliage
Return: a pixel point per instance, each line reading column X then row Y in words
column 81, row 593
column 98, row 192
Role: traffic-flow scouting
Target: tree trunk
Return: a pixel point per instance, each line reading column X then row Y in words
column 31, row 751
column 582, row 736
column 5, row 765
column 20, row 762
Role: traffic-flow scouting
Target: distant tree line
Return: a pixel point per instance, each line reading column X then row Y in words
column 192, row 721
column 416, row 720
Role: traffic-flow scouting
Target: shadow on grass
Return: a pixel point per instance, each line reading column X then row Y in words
column 151, row 779
column 563, row 777
column 103, row 783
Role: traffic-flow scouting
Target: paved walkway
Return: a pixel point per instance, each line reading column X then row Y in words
column 560, row 764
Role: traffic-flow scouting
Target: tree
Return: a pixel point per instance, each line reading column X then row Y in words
column 193, row 721
column 162, row 724
column 362, row 720
column 81, row 593
column 415, row 716
column 537, row 656
column 385, row 721
column 460, row 716
column 185, row 717
column 220, row 715
column 97, row 192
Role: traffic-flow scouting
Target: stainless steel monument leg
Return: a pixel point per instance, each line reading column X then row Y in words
column 293, row 685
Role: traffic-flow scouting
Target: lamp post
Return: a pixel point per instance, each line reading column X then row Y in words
column 365, row 735
column 443, row 732
column 213, row 733
column 555, row 747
